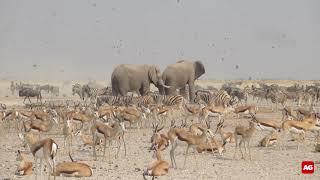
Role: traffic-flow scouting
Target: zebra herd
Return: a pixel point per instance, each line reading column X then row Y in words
column 88, row 91
column 229, row 94
column 301, row 95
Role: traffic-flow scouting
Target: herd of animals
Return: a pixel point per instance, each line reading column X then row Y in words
column 185, row 109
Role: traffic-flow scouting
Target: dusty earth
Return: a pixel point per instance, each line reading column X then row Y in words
column 267, row 163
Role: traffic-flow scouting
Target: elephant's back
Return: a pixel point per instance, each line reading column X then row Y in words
column 183, row 65
column 178, row 68
column 127, row 68
column 119, row 71
column 124, row 72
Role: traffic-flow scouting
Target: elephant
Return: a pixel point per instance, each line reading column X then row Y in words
column 135, row 78
column 180, row 74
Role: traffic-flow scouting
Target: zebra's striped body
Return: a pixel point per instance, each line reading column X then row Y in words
column 114, row 100
column 143, row 101
column 77, row 89
column 87, row 91
column 168, row 100
column 204, row 96
column 276, row 97
column 222, row 99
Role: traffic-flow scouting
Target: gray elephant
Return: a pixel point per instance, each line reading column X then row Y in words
column 178, row 75
column 135, row 78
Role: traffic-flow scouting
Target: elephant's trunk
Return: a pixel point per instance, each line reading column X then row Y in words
column 161, row 83
column 168, row 87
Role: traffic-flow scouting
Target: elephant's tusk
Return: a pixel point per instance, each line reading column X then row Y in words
column 167, row 86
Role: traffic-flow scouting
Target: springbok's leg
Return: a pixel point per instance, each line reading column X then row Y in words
column 94, row 147
column 242, row 156
column 236, row 148
column 172, row 157
column 249, row 149
column 185, row 159
column 50, row 166
column 124, row 145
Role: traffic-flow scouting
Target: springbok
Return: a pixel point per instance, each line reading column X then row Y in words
column 44, row 149
column 244, row 135
column 180, row 134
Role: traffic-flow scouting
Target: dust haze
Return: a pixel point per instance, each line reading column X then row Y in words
column 86, row 39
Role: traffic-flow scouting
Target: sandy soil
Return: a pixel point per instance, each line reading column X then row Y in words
column 267, row 163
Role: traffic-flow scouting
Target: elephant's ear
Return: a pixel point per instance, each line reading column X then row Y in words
column 198, row 69
column 153, row 70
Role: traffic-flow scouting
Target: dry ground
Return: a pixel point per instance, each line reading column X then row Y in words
column 267, row 163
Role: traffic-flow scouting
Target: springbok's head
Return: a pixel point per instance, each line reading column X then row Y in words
column 219, row 125
column 255, row 122
column 156, row 137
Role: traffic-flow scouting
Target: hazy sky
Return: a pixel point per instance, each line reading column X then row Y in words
column 80, row 39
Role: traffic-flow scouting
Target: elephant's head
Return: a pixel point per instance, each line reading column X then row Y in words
column 155, row 77
column 198, row 69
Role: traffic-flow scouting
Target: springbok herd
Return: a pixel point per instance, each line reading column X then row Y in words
column 226, row 133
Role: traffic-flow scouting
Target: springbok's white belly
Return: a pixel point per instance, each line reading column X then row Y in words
column 211, row 114
column 297, row 131
column 272, row 142
column 246, row 112
column 71, row 174
column 266, row 128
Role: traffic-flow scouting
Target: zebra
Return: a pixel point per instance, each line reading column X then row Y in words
column 258, row 94
column 247, row 92
column 114, row 100
column 305, row 97
column 143, row 101
column 314, row 92
column 92, row 92
column 235, row 92
column 276, row 97
column 77, row 89
column 86, row 91
column 222, row 98
column 168, row 100
column 203, row 96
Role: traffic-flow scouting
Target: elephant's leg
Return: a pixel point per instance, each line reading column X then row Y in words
column 123, row 91
column 115, row 90
column 143, row 90
column 161, row 90
column 191, row 92
column 183, row 92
